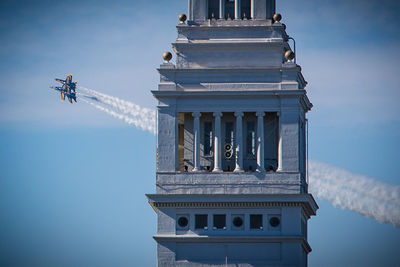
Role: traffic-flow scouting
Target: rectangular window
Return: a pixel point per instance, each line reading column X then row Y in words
column 219, row 221
column 208, row 138
column 250, row 138
column 229, row 134
column 229, row 9
column 201, row 221
column 213, row 9
column 256, row 221
column 245, row 9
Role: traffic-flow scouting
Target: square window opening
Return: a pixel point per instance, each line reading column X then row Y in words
column 219, row 221
column 201, row 221
column 256, row 221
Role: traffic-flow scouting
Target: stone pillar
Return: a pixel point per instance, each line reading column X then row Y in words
column 167, row 140
column 190, row 10
column 280, row 158
column 260, row 141
column 237, row 9
column 221, row 9
column 196, row 132
column 217, row 142
column 252, row 9
column 239, row 142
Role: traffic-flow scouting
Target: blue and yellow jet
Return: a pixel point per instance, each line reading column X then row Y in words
column 68, row 88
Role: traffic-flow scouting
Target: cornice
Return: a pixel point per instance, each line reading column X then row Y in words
column 206, row 27
column 249, row 93
column 266, row 70
column 219, row 44
column 305, row 201
column 231, row 239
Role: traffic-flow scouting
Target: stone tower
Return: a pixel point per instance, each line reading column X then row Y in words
column 231, row 186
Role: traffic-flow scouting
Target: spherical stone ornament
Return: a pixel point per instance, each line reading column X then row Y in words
column 277, row 17
column 167, row 56
column 182, row 18
column 289, row 55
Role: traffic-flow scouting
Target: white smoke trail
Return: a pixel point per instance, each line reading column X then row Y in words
column 141, row 118
column 118, row 116
column 126, row 107
column 358, row 193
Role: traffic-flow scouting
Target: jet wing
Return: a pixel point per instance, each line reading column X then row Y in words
column 57, row 88
column 60, row 81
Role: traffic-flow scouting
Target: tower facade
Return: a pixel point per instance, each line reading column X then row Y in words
column 231, row 185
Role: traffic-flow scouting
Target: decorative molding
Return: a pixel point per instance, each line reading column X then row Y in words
column 239, row 204
column 260, row 113
column 196, row 114
column 217, row 114
column 239, row 114
column 257, row 93
column 234, row 239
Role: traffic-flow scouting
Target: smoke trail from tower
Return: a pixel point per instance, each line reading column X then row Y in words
column 358, row 193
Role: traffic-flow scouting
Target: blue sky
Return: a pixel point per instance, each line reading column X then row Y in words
column 73, row 179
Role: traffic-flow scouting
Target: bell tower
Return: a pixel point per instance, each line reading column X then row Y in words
column 231, row 181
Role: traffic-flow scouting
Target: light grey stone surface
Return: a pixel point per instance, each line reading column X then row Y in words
column 229, row 183
column 230, row 67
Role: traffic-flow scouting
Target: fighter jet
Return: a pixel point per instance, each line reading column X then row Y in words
column 67, row 89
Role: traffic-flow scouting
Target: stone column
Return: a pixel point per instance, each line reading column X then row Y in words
column 196, row 132
column 190, row 11
column 280, row 158
column 237, row 9
column 260, row 141
column 239, row 142
column 221, row 9
column 217, row 142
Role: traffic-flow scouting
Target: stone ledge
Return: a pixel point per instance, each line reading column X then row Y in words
column 306, row 201
column 229, row 183
column 228, row 177
column 228, row 189
column 230, row 239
